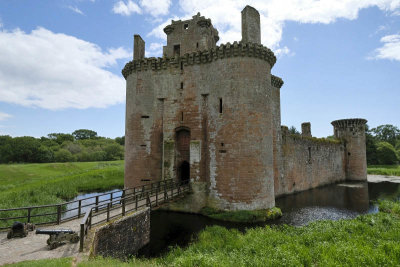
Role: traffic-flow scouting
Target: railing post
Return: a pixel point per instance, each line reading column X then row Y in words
column 108, row 211
column 142, row 195
column 123, row 195
column 90, row 218
column 157, row 196
column 134, row 191
column 111, row 198
column 148, row 202
column 136, row 202
column 29, row 215
column 79, row 208
column 82, row 237
column 123, row 207
column 59, row 214
column 97, row 203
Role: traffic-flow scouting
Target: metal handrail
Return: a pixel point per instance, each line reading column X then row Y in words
column 60, row 211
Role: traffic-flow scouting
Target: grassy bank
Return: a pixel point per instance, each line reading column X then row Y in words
column 368, row 240
column 49, row 183
column 391, row 170
column 246, row 216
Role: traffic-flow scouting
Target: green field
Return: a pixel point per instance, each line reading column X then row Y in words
column 391, row 170
column 49, row 183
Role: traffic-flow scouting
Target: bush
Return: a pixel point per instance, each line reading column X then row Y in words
column 386, row 153
column 64, row 155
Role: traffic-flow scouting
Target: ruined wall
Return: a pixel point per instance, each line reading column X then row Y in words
column 310, row 162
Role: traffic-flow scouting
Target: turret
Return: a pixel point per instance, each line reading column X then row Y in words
column 352, row 132
column 306, row 129
column 196, row 34
column 251, row 30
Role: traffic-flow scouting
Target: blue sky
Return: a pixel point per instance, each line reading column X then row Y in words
column 61, row 61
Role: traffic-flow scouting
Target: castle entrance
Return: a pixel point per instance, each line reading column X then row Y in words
column 183, row 154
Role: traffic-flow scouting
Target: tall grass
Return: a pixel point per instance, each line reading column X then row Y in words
column 391, row 170
column 50, row 183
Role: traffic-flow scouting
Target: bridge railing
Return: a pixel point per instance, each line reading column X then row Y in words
column 58, row 213
column 132, row 200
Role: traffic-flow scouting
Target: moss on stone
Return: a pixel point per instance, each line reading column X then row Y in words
column 244, row 216
column 317, row 140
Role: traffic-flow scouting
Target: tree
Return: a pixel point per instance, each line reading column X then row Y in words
column 372, row 156
column 120, row 140
column 61, row 137
column 386, row 153
column 387, row 133
column 5, row 148
column 25, row 149
column 293, row 130
column 63, row 155
column 82, row 134
column 114, row 152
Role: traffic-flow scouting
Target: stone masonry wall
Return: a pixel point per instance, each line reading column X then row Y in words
column 308, row 163
column 123, row 237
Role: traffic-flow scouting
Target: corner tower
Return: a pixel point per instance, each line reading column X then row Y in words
column 352, row 131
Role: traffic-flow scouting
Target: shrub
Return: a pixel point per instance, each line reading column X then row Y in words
column 64, row 155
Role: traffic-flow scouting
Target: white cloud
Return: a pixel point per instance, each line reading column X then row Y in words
column 57, row 71
column 390, row 50
column 226, row 15
column 76, row 10
column 156, row 7
column 155, row 50
column 4, row 116
column 126, row 8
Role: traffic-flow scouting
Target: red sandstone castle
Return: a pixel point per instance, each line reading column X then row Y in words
column 210, row 115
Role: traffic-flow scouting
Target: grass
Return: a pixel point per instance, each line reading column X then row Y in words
column 368, row 240
column 391, row 170
column 248, row 216
column 49, row 183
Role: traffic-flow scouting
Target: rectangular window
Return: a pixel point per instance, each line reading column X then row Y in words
column 182, row 116
column 177, row 50
column 220, row 105
column 181, row 85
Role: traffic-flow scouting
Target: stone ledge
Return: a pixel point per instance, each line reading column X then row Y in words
column 276, row 81
column 348, row 122
column 237, row 49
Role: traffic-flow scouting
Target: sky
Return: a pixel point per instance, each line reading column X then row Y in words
column 61, row 61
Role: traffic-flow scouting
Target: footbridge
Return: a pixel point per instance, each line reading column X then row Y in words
column 79, row 215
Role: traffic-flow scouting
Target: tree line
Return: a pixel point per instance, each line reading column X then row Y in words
column 383, row 145
column 81, row 145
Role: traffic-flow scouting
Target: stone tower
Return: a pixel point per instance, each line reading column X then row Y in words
column 352, row 131
column 205, row 113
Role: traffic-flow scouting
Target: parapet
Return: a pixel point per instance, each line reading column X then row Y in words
column 276, row 81
column 237, row 49
column 346, row 123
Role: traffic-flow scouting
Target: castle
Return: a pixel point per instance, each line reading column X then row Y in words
column 210, row 115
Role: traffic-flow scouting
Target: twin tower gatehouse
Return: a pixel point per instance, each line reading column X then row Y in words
column 210, row 115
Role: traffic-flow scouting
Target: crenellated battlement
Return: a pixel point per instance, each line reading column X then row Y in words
column 276, row 81
column 348, row 123
column 237, row 49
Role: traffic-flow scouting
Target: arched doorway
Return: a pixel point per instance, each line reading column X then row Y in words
column 182, row 154
column 184, row 172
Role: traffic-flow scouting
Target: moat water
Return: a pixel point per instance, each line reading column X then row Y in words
column 332, row 202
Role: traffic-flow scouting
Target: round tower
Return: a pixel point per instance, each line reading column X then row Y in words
column 352, row 131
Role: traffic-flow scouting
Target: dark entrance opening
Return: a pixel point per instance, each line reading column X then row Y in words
column 184, row 172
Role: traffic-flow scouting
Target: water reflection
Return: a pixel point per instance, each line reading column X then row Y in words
column 333, row 202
